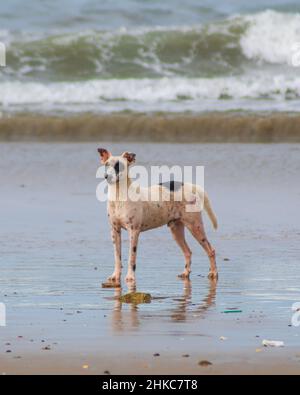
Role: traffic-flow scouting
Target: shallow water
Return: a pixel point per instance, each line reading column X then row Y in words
column 55, row 247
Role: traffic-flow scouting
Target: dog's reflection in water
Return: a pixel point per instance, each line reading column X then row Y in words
column 185, row 309
column 124, row 320
column 129, row 318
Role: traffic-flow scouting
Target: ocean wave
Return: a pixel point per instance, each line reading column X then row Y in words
column 218, row 48
column 153, row 94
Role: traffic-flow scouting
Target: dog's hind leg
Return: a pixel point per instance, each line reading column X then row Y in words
column 177, row 229
column 195, row 225
column 133, row 242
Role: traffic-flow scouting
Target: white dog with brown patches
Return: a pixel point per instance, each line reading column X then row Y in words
column 139, row 215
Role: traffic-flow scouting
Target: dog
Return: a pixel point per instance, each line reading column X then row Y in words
column 139, row 215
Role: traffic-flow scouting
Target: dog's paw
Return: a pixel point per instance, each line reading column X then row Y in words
column 114, row 278
column 112, row 282
column 130, row 278
column 184, row 275
column 213, row 275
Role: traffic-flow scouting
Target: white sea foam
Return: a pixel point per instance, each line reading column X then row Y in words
column 271, row 36
column 150, row 90
column 153, row 93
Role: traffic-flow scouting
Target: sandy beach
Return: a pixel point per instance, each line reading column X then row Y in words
column 178, row 83
column 55, row 251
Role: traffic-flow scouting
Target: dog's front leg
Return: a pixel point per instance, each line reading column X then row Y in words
column 116, row 239
column 133, row 237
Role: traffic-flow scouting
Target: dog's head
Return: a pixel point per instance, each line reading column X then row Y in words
column 116, row 167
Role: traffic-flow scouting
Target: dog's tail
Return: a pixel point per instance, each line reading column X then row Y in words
column 210, row 212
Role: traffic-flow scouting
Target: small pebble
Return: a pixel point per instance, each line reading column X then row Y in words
column 156, row 354
column 204, row 363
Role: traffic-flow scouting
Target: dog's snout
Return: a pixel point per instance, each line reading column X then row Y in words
column 106, row 176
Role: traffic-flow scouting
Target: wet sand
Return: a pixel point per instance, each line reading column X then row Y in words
column 55, row 251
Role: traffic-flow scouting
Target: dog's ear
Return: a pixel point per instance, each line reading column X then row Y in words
column 130, row 156
column 104, row 154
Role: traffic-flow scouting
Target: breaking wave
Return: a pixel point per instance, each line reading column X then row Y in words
column 252, row 91
column 208, row 50
column 241, row 62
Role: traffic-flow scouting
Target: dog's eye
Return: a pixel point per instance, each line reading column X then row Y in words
column 118, row 167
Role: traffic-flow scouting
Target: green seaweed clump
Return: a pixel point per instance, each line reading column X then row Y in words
column 136, row 298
